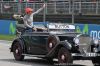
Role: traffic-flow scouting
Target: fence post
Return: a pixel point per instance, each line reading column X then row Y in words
column 1, row 7
column 73, row 12
column 26, row 4
column 69, row 7
column 97, row 8
column 80, row 8
column 44, row 14
column 19, row 7
column 55, row 9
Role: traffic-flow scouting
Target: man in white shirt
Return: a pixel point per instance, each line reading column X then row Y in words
column 28, row 18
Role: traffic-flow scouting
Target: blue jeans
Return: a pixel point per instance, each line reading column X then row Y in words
column 28, row 29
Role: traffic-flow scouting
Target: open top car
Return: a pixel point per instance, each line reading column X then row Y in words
column 59, row 41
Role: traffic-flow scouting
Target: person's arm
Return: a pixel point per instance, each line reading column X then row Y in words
column 15, row 16
column 39, row 10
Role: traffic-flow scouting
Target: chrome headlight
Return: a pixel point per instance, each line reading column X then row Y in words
column 96, row 41
column 76, row 40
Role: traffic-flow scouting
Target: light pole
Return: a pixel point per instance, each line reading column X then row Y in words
column 1, row 6
column 19, row 6
column 44, row 14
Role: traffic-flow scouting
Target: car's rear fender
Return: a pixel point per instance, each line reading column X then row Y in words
column 54, row 51
column 21, row 42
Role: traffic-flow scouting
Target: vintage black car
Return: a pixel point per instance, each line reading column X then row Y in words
column 59, row 41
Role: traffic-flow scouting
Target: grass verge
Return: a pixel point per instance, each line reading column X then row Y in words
column 7, row 37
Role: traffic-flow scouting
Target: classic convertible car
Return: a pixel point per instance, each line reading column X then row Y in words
column 59, row 41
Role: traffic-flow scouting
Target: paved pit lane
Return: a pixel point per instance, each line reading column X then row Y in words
column 7, row 59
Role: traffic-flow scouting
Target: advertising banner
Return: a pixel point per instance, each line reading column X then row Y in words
column 92, row 29
column 7, row 27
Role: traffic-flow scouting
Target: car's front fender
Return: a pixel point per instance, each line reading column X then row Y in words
column 17, row 40
column 55, row 50
column 99, row 47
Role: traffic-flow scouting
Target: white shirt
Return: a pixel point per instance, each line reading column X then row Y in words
column 28, row 19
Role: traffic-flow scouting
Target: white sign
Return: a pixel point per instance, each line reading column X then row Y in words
column 61, row 26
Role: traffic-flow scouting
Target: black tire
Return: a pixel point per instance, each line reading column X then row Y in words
column 96, row 61
column 51, row 42
column 64, row 56
column 50, row 60
column 17, row 52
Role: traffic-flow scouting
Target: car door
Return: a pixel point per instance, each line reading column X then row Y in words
column 38, row 44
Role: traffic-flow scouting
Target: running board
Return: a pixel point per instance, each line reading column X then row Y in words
column 34, row 55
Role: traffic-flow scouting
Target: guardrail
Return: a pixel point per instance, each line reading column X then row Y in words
column 63, row 7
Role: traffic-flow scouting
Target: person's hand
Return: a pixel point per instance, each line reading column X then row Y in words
column 44, row 5
column 21, row 17
column 16, row 16
column 34, row 29
column 42, row 28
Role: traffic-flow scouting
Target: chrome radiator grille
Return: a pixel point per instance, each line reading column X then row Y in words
column 84, row 43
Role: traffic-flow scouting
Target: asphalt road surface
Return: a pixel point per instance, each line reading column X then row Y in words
column 7, row 59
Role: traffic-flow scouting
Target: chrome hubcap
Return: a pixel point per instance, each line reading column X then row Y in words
column 50, row 45
column 16, row 51
column 63, row 57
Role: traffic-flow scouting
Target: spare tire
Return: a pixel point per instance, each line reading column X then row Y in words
column 51, row 42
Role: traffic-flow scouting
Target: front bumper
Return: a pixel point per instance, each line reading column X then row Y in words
column 86, row 54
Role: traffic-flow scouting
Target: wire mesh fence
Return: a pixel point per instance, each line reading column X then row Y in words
column 55, row 7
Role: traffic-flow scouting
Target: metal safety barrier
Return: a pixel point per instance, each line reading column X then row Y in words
column 55, row 7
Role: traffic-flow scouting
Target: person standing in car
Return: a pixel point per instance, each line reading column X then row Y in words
column 28, row 18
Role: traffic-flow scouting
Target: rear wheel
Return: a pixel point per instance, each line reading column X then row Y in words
column 64, row 56
column 52, row 41
column 17, row 52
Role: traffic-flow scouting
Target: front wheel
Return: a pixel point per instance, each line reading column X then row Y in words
column 96, row 61
column 50, row 60
column 52, row 42
column 17, row 52
column 64, row 56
